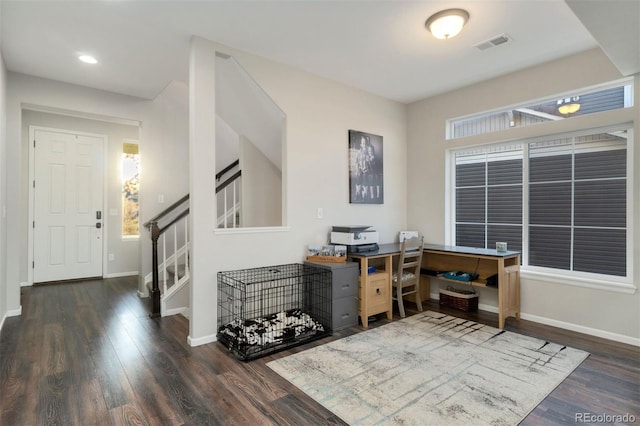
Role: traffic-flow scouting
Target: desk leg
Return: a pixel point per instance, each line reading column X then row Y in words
column 501, row 294
column 388, row 264
column 508, row 291
column 362, row 305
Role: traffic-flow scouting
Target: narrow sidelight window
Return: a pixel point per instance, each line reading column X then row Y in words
column 130, row 189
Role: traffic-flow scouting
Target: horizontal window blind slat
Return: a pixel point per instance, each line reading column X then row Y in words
column 470, row 174
column 550, row 247
column 602, row 164
column 550, row 204
column 600, row 251
column 470, row 235
column 470, row 205
column 601, row 203
column 511, row 234
column 551, row 168
column 505, row 204
column 504, row 172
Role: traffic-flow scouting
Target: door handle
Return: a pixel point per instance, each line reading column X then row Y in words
column 98, row 225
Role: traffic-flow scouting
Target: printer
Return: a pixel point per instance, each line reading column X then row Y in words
column 357, row 238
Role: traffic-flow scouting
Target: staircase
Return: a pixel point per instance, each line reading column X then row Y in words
column 170, row 271
column 168, row 281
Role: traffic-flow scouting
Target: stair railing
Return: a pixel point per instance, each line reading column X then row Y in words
column 229, row 190
column 227, row 169
column 156, row 231
column 178, row 252
column 173, row 214
column 230, row 187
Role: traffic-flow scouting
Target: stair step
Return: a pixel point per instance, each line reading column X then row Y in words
column 171, row 270
column 170, row 274
column 160, row 286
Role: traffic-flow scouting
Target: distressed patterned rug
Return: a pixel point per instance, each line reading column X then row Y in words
column 431, row 369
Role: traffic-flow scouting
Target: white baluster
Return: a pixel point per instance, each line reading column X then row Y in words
column 234, row 203
column 187, row 272
column 175, row 253
column 225, row 206
column 164, row 263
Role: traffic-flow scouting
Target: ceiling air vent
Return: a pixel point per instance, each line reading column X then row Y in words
column 495, row 41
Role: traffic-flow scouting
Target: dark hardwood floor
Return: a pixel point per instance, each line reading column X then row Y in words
column 87, row 353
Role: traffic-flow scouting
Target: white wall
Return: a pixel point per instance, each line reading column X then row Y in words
column 227, row 141
column 604, row 313
column 164, row 156
column 3, row 191
column 163, row 152
column 244, row 106
column 319, row 115
column 126, row 251
column 261, row 192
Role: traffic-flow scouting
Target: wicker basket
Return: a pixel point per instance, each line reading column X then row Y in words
column 459, row 299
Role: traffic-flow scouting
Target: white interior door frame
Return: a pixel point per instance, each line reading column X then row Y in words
column 30, row 233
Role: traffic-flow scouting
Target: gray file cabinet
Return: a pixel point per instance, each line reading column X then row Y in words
column 344, row 277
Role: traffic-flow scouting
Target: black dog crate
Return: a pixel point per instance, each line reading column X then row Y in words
column 265, row 310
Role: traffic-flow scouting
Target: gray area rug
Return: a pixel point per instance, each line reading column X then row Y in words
column 431, row 369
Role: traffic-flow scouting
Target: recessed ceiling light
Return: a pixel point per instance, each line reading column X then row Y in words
column 88, row 59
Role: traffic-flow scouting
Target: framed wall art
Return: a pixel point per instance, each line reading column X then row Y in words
column 366, row 178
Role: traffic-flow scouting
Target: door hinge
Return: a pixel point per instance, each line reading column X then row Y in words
column 34, row 223
column 34, row 183
column 33, row 265
column 34, row 143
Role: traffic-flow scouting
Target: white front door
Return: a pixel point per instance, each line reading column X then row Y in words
column 68, row 197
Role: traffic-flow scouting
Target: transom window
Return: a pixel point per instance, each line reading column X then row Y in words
column 587, row 101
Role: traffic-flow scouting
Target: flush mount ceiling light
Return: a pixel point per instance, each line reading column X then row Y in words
column 88, row 59
column 568, row 106
column 447, row 23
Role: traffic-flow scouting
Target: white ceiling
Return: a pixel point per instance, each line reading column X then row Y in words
column 378, row 46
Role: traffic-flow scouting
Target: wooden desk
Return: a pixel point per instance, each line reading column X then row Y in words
column 485, row 262
column 375, row 289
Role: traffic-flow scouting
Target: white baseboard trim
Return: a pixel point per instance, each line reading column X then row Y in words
column 120, row 274
column 564, row 325
column 26, row 284
column 488, row 308
column 582, row 329
column 202, row 340
column 184, row 311
column 11, row 313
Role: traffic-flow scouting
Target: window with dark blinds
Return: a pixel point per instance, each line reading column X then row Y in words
column 489, row 198
column 577, row 204
column 561, row 201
